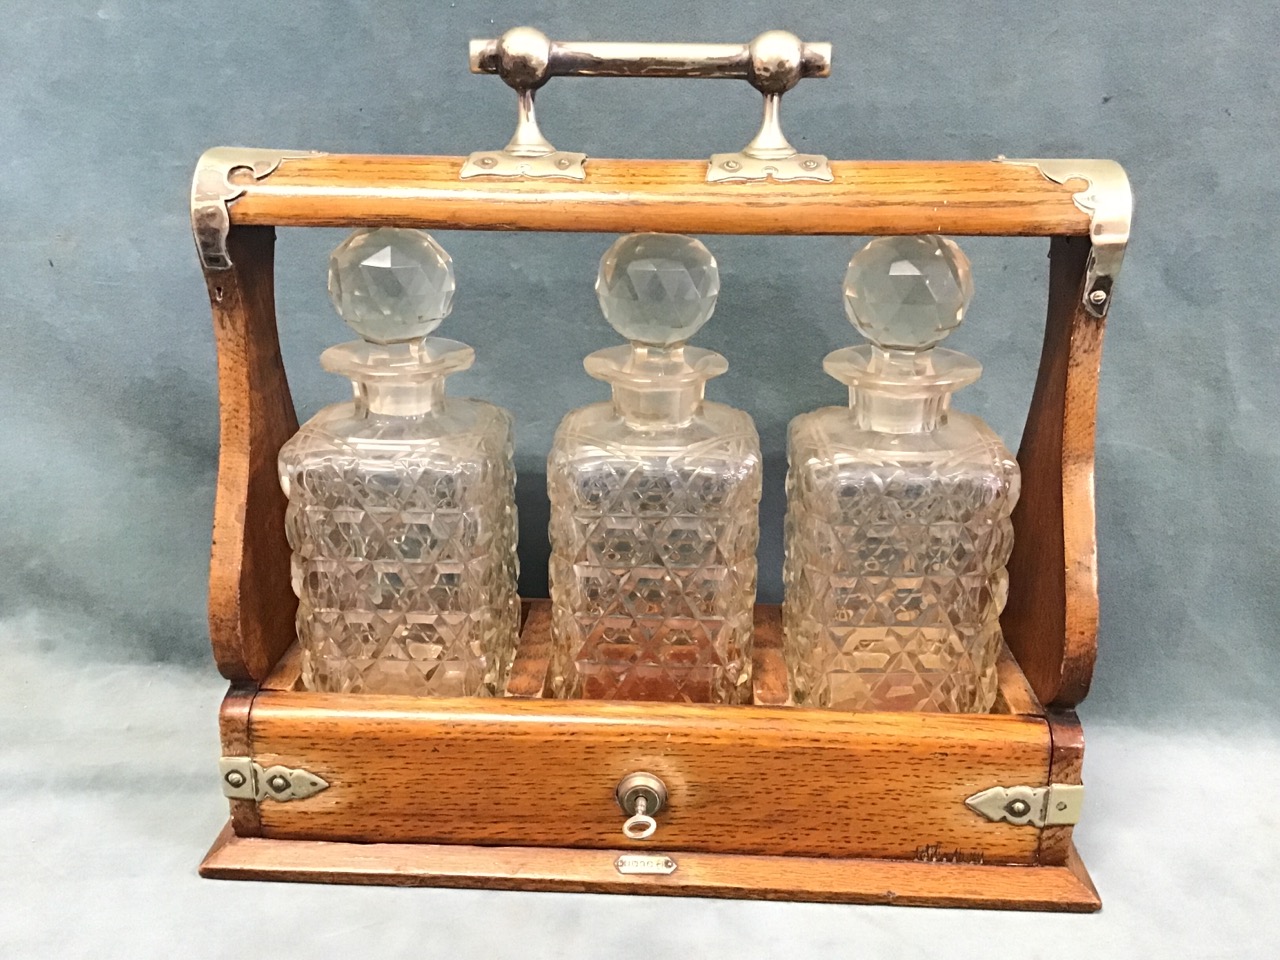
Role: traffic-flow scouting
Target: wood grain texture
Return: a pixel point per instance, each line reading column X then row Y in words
column 528, row 677
column 741, row 779
column 621, row 196
column 251, row 605
column 770, row 681
column 287, row 673
column 1013, row 692
column 1066, row 764
column 233, row 731
column 900, row 883
column 1051, row 620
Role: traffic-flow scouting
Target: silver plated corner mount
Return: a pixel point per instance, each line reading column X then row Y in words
column 212, row 192
column 1108, row 199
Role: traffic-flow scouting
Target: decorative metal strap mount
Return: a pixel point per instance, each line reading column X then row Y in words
column 1058, row 804
column 773, row 63
column 244, row 779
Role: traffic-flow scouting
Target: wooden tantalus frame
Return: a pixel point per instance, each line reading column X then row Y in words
column 765, row 801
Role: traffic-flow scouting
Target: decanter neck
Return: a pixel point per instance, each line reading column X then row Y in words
column 397, row 399
column 398, row 379
column 887, row 414
column 656, row 386
column 648, row 407
column 896, row 391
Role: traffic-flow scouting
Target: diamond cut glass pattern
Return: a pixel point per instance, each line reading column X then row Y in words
column 652, row 583
column 890, row 608
column 404, row 537
column 401, row 514
column 654, row 499
column 898, row 510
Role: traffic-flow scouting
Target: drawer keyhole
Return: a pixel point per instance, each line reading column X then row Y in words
column 640, row 795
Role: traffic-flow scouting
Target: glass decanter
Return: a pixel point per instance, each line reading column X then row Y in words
column 401, row 511
column 897, row 526
column 654, row 498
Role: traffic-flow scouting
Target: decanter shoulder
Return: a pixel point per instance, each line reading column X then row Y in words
column 459, row 428
column 453, row 416
column 731, row 420
column 598, row 426
column 832, row 434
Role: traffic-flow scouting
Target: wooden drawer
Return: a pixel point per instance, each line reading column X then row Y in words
column 770, row 780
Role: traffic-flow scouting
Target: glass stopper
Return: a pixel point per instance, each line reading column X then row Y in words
column 657, row 288
column 907, row 293
column 391, row 285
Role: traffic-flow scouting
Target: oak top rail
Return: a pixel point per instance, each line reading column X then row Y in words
column 973, row 198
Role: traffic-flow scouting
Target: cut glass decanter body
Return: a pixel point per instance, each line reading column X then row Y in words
column 654, row 499
column 897, row 528
column 401, row 511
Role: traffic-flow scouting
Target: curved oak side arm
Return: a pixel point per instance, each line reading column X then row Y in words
column 1051, row 619
column 251, row 603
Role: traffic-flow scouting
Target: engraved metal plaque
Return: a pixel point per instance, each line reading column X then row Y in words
column 645, row 863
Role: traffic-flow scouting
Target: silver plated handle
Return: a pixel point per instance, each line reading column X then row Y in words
column 525, row 57
column 773, row 63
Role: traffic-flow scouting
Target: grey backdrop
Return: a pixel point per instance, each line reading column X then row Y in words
column 108, row 431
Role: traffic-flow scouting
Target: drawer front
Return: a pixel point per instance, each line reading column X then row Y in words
column 758, row 780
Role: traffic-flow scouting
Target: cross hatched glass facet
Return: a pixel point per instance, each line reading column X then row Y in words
column 907, row 293
column 403, row 533
column 391, row 285
column 658, row 288
column 894, row 572
column 653, row 564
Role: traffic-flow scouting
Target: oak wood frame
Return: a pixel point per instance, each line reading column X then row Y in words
column 1050, row 622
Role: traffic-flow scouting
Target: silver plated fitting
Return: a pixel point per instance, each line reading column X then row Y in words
column 773, row 63
column 245, row 779
column 1108, row 199
column 778, row 61
column 640, row 795
column 522, row 58
column 212, row 192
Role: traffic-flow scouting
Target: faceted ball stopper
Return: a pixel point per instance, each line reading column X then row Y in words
column 907, row 293
column 391, row 285
column 657, row 288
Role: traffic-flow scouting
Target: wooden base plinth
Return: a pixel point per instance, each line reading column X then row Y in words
column 894, row 882
column 763, row 801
